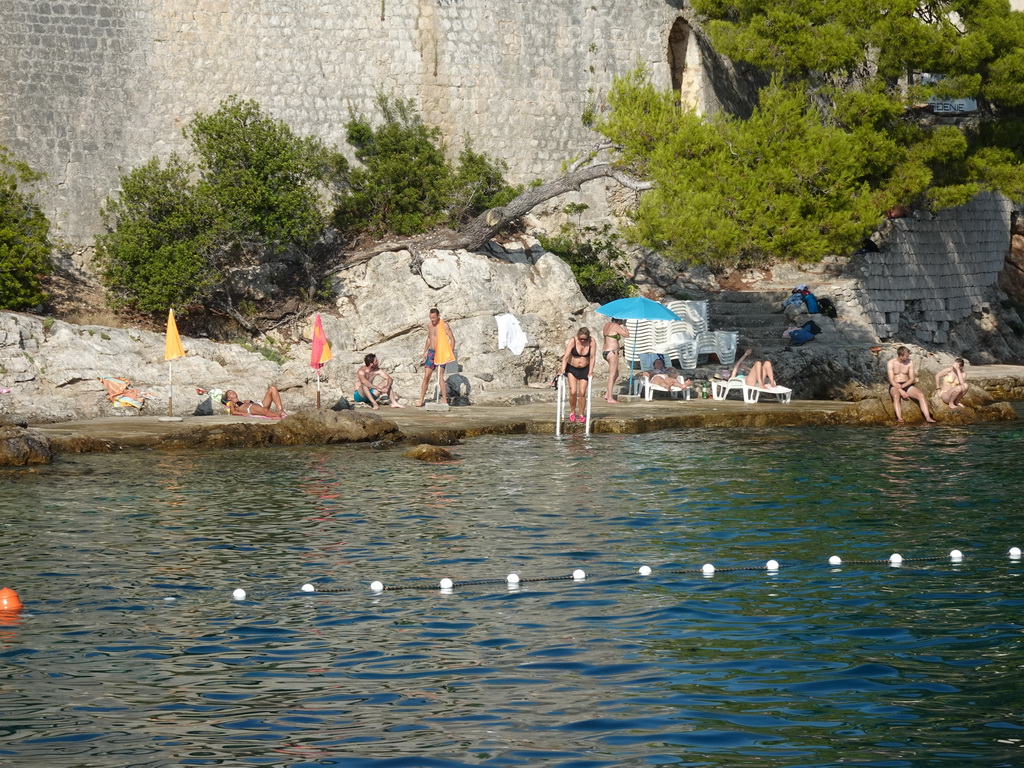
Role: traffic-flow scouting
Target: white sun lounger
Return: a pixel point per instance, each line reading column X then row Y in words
column 720, row 391
column 649, row 388
column 751, row 394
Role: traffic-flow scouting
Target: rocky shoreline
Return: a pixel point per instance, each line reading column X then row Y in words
column 426, row 434
column 53, row 400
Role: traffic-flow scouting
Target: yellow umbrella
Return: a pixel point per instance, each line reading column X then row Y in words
column 172, row 351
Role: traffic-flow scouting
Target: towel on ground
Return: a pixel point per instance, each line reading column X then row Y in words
column 120, row 393
column 510, row 334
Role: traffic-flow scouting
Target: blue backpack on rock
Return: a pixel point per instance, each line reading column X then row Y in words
column 800, row 336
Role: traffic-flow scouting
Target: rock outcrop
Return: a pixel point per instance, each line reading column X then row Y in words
column 19, row 447
column 384, row 303
column 307, row 427
column 53, row 368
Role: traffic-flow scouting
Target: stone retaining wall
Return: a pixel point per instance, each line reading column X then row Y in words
column 935, row 270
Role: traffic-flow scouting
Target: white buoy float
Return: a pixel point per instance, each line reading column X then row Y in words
column 446, row 583
column 238, row 594
column 835, row 560
column 376, row 586
column 512, row 578
column 772, row 565
column 708, row 569
column 895, row 559
column 1015, row 553
column 644, row 570
column 956, row 555
column 308, row 588
column 579, row 575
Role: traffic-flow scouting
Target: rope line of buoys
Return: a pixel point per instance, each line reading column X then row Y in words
column 513, row 580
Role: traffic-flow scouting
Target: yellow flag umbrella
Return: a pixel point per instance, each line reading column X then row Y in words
column 172, row 351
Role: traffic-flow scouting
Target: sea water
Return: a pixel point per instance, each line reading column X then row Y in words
column 130, row 650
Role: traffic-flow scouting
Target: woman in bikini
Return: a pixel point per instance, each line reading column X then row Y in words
column 951, row 384
column 266, row 408
column 614, row 332
column 578, row 367
column 666, row 377
column 756, row 373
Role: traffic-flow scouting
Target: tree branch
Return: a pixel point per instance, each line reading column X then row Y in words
column 485, row 226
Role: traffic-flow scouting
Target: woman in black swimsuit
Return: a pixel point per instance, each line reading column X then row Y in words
column 578, row 367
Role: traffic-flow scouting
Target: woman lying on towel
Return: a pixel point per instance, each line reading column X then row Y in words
column 756, row 373
column 270, row 407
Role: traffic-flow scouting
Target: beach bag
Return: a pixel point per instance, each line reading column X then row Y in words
column 826, row 307
column 795, row 300
column 812, row 303
column 811, row 326
column 800, row 336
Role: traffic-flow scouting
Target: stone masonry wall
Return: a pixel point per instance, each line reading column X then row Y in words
column 92, row 88
column 934, row 271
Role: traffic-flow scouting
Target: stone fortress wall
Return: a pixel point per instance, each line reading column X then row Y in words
column 92, row 88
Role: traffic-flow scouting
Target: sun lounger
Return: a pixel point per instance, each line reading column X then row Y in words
column 751, row 394
column 720, row 391
column 649, row 387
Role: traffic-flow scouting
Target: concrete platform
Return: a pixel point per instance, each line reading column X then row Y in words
column 474, row 420
column 532, row 411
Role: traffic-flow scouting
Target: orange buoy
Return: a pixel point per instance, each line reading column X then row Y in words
column 9, row 600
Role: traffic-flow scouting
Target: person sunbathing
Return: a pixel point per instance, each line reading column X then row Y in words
column 756, row 373
column 270, row 407
column 667, row 378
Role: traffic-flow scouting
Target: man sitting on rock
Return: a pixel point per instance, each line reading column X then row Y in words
column 372, row 384
column 902, row 386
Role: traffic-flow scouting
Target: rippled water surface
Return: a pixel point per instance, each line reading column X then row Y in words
column 130, row 650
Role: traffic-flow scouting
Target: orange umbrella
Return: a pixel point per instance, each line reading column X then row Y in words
column 321, row 353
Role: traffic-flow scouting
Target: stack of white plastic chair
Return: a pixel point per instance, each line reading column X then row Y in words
column 684, row 334
column 707, row 342
column 641, row 341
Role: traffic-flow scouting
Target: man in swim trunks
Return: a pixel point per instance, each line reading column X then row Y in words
column 372, row 383
column 438, row 351
column 901, row 385
column 269, row 408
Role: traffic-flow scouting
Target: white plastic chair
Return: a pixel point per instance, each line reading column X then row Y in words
column 719, row 343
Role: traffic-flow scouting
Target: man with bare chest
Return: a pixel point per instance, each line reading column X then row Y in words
column 438, row 351
column 901, row 385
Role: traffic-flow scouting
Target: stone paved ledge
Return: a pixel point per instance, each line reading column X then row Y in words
column 526, row 411
column 419, row 425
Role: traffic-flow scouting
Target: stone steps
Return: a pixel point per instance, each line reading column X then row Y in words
column 757, row 315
